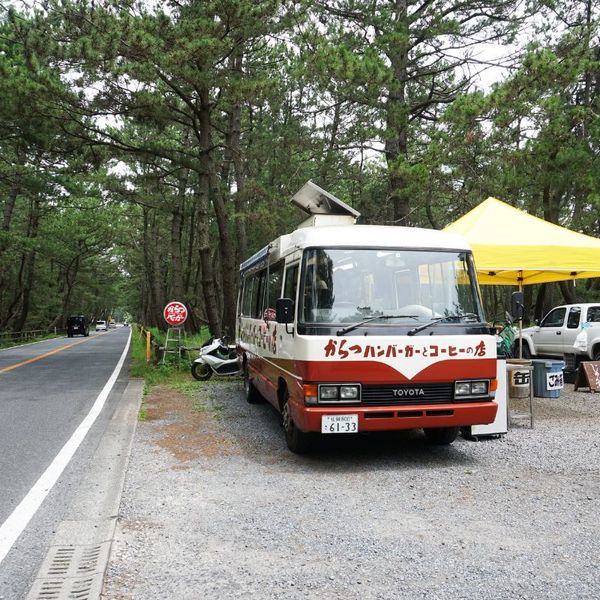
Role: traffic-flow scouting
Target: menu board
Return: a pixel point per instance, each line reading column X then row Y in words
column 588, row 375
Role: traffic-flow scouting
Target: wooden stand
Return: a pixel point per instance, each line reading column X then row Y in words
column 588, row 375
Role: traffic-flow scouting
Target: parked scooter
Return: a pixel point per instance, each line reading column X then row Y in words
column 217, row 357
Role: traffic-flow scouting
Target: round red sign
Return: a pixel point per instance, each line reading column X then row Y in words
column 175, row 314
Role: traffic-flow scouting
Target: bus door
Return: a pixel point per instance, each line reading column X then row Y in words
column 285, row 334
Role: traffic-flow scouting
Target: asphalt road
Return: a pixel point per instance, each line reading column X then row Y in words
column 46, row 391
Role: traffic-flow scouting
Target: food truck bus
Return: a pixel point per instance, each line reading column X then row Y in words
column 349, row 328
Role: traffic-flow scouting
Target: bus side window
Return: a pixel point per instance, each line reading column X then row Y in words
column 291, row 282
column 248, row 296
column 258, row 307
column 274, row 291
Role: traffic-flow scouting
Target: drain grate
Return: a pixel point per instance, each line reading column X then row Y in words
column 63, row 589
column 71, row 572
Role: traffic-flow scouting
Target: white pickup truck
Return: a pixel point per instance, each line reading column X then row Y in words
column 556, row 333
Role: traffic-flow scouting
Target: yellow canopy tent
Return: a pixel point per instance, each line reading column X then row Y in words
column 512, row 247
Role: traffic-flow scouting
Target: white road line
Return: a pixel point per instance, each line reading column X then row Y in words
column 12, row 528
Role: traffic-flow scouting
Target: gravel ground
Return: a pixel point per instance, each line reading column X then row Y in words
column 216, row 507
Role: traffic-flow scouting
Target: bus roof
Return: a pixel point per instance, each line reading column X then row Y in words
column 372, row 236
column 355, row 236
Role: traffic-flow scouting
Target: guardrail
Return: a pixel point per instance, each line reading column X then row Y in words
column 152, row 346
column 19, row 336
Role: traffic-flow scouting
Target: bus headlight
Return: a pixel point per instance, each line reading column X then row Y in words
column 330, row 394
column 465, row 389
column 479, row 388
column 349, row 392
column 462, row 388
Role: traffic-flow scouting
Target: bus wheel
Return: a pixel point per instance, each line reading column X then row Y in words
column 252, row 394
column 297, row 441
column 441, row 436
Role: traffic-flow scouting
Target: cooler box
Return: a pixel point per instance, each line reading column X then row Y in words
column 548, row 378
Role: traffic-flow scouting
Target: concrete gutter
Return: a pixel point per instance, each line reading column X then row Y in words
column 76, row 562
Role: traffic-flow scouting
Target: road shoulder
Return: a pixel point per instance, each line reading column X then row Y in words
column 80, row 549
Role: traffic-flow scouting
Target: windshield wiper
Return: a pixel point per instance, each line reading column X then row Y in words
column 415, row 330
column 425, row 326
column 345, row 330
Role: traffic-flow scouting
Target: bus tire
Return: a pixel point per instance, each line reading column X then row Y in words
column 299, row 442
column 441, row 436
column 252, row 394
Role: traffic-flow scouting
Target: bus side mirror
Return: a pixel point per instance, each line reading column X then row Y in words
column 517, row 308
column 284, row 311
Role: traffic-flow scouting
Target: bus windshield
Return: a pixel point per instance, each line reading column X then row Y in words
column 349, row 285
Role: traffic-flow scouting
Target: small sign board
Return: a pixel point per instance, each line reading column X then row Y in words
column 521, row 378
column 588, row 375
column 555, row 381
column 175, row 314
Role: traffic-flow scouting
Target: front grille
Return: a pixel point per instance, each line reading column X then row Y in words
column 432, row 393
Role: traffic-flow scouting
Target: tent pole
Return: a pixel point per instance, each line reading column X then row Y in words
column 521, row 317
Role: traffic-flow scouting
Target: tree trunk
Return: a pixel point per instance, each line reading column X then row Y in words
column 203, row 201
column 176, row 286
column 70, row 277
column 227, row 256
column 7, row 213
column 32, row 230
column 568, row 291
column 158, row 281
column 207, row 278
column 9, row 204
column 240, row 181
column 541, row 302
column 396, row 143
column 191, row 260
column 150, row 275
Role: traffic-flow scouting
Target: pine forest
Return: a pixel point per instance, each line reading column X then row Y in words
column 148, row 148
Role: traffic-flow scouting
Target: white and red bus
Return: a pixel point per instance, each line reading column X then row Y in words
column 349, row 328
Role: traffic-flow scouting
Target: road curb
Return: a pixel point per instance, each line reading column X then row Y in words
column 75, row 565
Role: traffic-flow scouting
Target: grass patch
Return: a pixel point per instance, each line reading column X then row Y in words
column 173, row 371
column 143, row 414
column 175, row 374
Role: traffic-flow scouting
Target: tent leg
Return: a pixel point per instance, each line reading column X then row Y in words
column 521, row 319
column 520, row 338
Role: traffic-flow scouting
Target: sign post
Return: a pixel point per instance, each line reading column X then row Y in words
column 175, row 314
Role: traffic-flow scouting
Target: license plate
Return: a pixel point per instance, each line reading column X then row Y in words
column 339, row 424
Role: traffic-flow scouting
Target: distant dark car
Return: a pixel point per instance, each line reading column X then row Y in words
column 78, row 325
